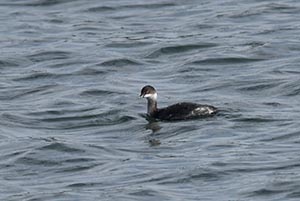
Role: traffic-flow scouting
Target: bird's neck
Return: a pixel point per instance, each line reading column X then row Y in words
column 152, row 106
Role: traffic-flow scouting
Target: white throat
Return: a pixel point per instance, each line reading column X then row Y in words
column 151, row 96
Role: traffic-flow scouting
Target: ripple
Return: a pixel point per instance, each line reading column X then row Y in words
column 204, row 175
column 149, row 6
column 61, row 147
column 145, row 193
column 257, row 119
column 90, row 71
column 33, row 161
column 37, row 3
column 265, row 192
column 7, row 63
column 97, row 92
column 38, row 76
column 273, row 104
column 101, row 9
column 82, row 166
column 49, row 55
column 260, row 87
column 284, row 136
column 119, row 62
column 103, row 119
column 291, row 89
column 18, row 93
column 134, row 44
column 225, row 60
column 254, row 166
column 60, row 120
column 17, row 120
column 295, row 194
column 60, row 111
column 179, row 49
column 264, row 8
column 278, row 7
column 130, row 6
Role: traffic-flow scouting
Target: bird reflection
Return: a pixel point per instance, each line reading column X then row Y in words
column 154, row 127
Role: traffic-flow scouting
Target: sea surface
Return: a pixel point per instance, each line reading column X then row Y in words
column 72, row 125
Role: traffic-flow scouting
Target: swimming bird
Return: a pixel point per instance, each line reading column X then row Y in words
column 179, row 111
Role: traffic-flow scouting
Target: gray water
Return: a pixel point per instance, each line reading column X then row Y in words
column 72, row 124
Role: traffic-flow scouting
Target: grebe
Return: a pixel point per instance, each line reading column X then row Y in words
column 179, row 111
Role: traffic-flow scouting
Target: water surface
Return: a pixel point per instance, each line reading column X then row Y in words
column 72, row 124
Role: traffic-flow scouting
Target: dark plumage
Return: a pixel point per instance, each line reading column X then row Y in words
column 179, row 111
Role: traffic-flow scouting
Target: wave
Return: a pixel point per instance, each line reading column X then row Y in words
column 49, row 55
column 37, row 3
column 22, row 92
column 130, row 6
column 57, row 120
column 226, row 60
column 119, row 62
column 176, row 49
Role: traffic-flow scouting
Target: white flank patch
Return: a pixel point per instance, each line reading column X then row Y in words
column 210, row 111
column 198, row 109
column 204, row 109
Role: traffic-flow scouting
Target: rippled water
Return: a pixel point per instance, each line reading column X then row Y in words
column 72, row 125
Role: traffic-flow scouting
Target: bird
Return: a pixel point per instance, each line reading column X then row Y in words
column 178, row 111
